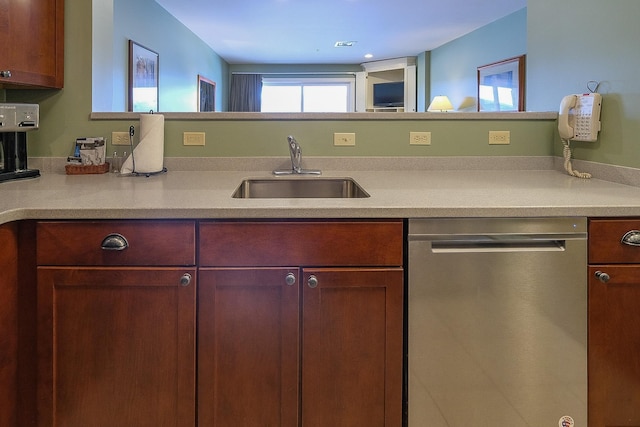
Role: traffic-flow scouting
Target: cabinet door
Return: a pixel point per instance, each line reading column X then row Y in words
column 614, row 346
column 116, row 347
column 8, row 324
column 352, row 347
column 32, row 42
column 248, row 341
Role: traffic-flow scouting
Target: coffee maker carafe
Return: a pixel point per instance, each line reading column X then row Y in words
column 15, row 121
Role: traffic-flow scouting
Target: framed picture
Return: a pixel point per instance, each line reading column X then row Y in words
column 501, row 85
column 206, row 94
column 143, row 78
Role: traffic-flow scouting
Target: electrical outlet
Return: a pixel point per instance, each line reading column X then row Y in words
column 420, row 138
column 120, row 138
column 193, row 138
column 344, row 139
column 499, row 137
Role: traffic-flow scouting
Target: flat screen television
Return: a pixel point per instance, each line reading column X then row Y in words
column 388, row 94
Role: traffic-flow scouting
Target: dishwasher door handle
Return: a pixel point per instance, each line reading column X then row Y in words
column 498, row 245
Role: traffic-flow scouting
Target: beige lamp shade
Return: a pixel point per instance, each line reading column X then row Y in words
column 440, row 103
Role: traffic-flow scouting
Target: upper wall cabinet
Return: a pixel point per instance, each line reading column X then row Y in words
column 32, row 43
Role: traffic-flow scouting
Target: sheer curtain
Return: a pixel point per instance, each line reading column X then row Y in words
column 245, row 94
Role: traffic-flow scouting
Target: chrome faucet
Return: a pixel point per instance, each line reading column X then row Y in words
column 295, row 152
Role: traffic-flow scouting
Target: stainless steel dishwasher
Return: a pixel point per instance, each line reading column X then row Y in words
column 497, row 322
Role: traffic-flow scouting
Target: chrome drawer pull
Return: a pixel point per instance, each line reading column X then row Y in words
column 185, row 280
column 5, row 73
column 114, row 242
column 631, row 238
column 603, row 277
column 312, row 282
column 290, row 279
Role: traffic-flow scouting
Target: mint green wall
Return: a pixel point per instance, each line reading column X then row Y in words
column 110, row 93
column 423, row 76
column 454, row 65
column 65, row 116
column 574, row 41
column 118, row 22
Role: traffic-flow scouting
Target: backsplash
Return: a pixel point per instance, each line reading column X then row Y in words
column 262, row 165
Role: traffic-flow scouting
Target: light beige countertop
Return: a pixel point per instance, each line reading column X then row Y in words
column 396, row 193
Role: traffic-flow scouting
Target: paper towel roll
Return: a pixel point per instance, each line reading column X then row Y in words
column 148, row 156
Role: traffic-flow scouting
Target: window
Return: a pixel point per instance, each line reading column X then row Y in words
column 309, row 95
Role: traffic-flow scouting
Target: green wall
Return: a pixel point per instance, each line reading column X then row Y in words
column 117, row 22
column 453, row 65
column 574, row 41
column 373, row 138
column 423, row 77
column 65, row 113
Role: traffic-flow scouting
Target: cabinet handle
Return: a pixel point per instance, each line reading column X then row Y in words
column 5, row 73
column 185, row 280
column 114, row 242
column 290, row 279
column 603, row 277
column 631, row 238
column 312, row 281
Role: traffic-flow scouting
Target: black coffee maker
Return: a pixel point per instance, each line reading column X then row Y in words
column 15, row 121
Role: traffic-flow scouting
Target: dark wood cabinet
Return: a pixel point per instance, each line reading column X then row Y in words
column 116, row 332
column 32, row 43
column 248, row 347
column 300, row 323
column 9, row 324
column 18, row 322
column 351, row 347
column 614, row 324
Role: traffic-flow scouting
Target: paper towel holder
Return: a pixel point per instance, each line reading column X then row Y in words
column 134, row 172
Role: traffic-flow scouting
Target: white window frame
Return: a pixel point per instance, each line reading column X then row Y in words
column 349, row 81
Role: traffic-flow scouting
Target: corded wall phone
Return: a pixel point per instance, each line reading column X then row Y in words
column 579, row 117
column 578, row 120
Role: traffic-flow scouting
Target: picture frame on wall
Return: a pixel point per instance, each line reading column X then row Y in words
column 501, row 85
column 143, row 78
column 206, row 94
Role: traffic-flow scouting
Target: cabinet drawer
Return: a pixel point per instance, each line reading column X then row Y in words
column 326, row 243
column 605, row 241
column 147, row 243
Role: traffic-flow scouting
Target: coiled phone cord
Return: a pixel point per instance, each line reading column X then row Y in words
column 567, row 162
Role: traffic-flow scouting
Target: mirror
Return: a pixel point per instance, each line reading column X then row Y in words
column 116, row 22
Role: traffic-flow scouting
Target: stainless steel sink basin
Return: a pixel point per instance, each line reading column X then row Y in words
column 287, row 188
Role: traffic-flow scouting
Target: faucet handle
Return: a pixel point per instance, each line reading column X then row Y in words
column 294, row 147
column 295, row 153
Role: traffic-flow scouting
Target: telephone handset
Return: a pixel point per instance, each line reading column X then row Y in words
column 578, row 120
column 579, row 117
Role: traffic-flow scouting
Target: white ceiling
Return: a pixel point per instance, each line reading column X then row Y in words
column 305, row 31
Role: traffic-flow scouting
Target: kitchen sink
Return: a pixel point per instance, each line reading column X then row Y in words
column 303, row 187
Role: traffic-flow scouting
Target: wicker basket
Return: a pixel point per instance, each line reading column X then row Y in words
column 86, row 169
